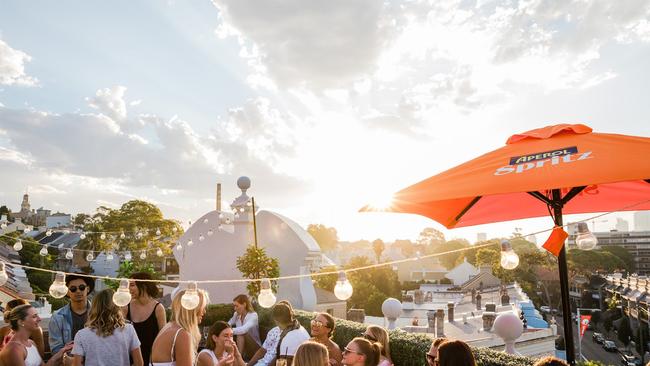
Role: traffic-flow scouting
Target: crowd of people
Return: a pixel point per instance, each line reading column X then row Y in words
column 102, row 334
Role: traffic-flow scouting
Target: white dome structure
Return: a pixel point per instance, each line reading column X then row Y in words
column 226, row 235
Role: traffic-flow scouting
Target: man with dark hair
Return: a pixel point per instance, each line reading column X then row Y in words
column 67, row 321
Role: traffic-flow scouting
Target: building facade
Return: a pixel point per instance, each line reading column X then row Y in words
column 636, row 242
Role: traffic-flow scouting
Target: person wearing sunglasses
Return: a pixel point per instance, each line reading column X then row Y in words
column 433, row 351
column 361, row 352
column 378, row 334
column 67, row 321
column 322, row 329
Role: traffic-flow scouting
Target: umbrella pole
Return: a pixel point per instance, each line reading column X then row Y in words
column 557, row 204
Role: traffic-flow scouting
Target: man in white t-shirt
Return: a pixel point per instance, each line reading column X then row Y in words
column 293, row 334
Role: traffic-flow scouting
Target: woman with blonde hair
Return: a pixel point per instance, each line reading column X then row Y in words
column 311, row 354
column 361, row 352
column 378, row 334
column 6, row 333
column 178, row 341
column 20, row 350
column 107, row 338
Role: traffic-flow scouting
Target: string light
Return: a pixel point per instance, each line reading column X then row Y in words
column 220, row 227
column 102, row 236
column 122, row 297
column 3, row 225
column 48, row 233
column 128, row 256
column 68, row 254
column 343, row 289
column 109, row 257
column 201, row 237
column 174, row 229
column 90, row 257
column 509, row 259
column 158, row 232
column 585, row 239
column 58, row 289
column 159, row 252
column 190, row 299
column 3, row 274
column 237, row 215
column 220, row 215
column 228, row 220
column 190, row 243
column 18, row 245
column 143, row 255
column 266, row 298
column 139, row 235
column 43, row 251
column 205, row 221
column 179, row 246
column 82, row 236
column 122, row 235
column 210, row 232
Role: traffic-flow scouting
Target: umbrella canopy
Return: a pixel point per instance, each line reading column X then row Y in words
column 614, row 169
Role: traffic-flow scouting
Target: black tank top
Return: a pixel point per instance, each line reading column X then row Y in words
column 146, row 331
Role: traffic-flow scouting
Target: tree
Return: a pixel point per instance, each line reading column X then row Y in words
column 127, row 268
column 371, row 285
column 4, row 210
column 256, row 264
column 641, row 338
column 450, row 260
column 142, row 224
column 430, row 237
column 326, row 282
column 624, row 331
column 326, row 237
column 406, row 247
column 622, row 253
column 608, row 323
column 378, row 247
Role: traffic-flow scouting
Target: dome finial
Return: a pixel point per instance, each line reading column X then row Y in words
column 244, row 183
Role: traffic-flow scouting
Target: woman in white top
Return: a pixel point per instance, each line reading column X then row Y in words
column 220, row 348
column 107, row 339
column 246, row 328
column 21, row 351
column 177, row 342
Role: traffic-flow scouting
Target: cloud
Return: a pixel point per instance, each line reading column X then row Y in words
column 312, row 44
column 149, row 150
column 12, row 66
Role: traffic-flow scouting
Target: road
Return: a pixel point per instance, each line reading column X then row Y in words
column 592, row 350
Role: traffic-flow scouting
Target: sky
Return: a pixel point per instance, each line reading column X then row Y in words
column 325, row 105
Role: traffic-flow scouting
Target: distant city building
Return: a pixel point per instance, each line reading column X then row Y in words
column 29, row 216
column 636, row 242
column 462, row 273
column 642, row 221
column 532, row 239
column 58, row 220
column 481, row 237
column 622, row 225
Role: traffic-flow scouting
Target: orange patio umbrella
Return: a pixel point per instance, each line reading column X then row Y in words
column 560, row 169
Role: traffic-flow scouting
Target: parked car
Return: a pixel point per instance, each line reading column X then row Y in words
column 545, row 309
column 630, row 360
column 598, row 338
column 610, row 346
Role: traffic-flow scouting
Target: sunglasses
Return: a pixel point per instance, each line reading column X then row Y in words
column 317, row 323
column 73, row 289
column 346, row 350
column 370, row 338
column 432, row 359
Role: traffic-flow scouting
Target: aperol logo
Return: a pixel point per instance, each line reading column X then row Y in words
column 520, row 164
column 543, row 155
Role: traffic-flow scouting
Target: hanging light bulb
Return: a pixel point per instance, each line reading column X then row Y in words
column 122, row 297
column 228, row 220
column 48, row 233
column 128, row 256
column 122, row 235
column 69, row 254
column 139, row 235
column 82, row 236
column 159, row 252
column 174, row 229
column 109, row 257
column 3, row 225
column 143, row 255
column 585, row 239
column 43, row 251
column 220, row 227
column 509, row 259
column 179, row 246
column 102, row 236
column 220, row 215
column 343, row 289
column 210, row 232
column 58, row 289
column 90, row 257
column 158, row 232
column 201, row 237
column 190, row 243
column 266, row 298
column 3, row 274
column 241, row 209
column 66, row 231
column 237, row 215
column 18, row 245
column 205, row 221
column 190, row 299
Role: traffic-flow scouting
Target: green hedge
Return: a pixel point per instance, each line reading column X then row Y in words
column 407, row 349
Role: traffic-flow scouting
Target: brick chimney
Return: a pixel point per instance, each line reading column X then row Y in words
column 431, row 321
column 450, row 312
column 478, row 301
column 490, row 306
column 440, row 323
column 488, row 320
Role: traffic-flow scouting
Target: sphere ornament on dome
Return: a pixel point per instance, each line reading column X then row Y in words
column 509, row 327
column 244, row 183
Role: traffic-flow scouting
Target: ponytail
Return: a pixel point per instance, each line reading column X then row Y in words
column 371, row 351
